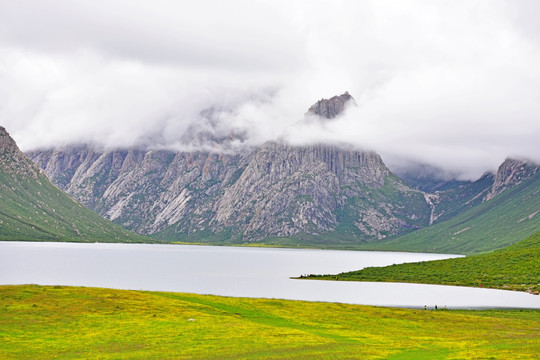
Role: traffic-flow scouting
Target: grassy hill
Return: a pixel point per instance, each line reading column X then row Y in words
column 87, row 323
column 516, row 267
column 32, row 208
column 507, row 218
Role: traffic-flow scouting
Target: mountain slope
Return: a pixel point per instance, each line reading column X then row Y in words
column 516, row 267
column 454, row 201
column 280, row 194
column 492, row 223
column 275, row 190
column 32, row 208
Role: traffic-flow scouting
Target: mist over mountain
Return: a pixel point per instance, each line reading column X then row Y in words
column 241, row 194
column 291, row 194
column 451, row 84
column 423, row 176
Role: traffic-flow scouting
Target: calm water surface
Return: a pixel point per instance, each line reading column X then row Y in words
column 235, row 271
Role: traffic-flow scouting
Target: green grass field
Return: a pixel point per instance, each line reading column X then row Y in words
column 39, row 322
column 516, row 267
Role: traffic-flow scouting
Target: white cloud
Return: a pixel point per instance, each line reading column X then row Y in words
column 448, row 82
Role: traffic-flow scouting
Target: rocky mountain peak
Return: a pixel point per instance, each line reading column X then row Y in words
column 330, row 108
column 511, row 172
column 7, row 144
column 11, row 157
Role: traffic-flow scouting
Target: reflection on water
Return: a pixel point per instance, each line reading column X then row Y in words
column 235, row 271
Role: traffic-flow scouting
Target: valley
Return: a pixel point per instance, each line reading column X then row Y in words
column 196, row 180
column 276, row 194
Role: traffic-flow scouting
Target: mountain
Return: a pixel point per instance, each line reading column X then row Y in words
column 290, row 194
column 331, row 108
column 491, row 213
column 32, row 208
column 511, row 173
column 276, row 193
column 276, row 190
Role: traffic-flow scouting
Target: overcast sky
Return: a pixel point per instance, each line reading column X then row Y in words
column 453, row 83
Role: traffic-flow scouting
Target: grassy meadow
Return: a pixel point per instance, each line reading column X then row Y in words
column 516, row 267
column 44, row 322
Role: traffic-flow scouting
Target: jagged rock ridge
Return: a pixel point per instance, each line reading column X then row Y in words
column 330, row 108
column 12, row 159
column 510, row 173
column 275, row 190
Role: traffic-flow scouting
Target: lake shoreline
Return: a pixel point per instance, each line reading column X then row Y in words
column 236, row 271
column 330, row 247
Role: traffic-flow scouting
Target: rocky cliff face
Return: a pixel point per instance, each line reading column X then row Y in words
column 142, row 190
column 286, row 190
column 275, row 190
column 510, row 173
column 7, row 145
column 12, row 160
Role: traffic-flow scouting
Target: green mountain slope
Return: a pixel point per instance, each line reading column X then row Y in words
column 452, row 202
column 516, row 267
column 504, row 219
column 32, row 208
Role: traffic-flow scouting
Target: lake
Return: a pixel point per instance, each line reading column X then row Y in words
column 237, row 271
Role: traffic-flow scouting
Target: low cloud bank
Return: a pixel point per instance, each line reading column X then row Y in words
column 451, row 84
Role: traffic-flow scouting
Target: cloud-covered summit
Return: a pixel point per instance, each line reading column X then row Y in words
column 455, row 84
column 331, row 108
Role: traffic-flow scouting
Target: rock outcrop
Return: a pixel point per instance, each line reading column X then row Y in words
column 12, row 159
column 510, row 173
column 330, row 108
